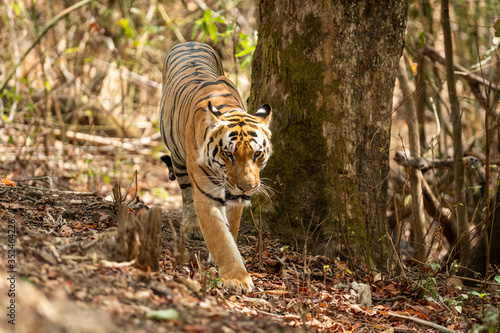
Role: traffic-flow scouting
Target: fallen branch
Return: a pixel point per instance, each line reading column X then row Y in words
column 97, row 140
column 422, row 322
column 421, row 163
column 113, row 264
column 55, row 191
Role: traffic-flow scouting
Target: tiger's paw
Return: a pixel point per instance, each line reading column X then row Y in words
column 191, row 229
column 239, row 281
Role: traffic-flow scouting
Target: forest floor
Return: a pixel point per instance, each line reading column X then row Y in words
column 58, row 284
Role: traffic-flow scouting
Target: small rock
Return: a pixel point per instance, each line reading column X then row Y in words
column 362, row 294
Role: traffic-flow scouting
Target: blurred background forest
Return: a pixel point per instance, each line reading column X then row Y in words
column 80, row 84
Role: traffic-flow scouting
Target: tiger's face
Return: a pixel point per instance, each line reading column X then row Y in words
column 236, row 148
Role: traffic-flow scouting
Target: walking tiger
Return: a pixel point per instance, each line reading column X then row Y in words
column 216, row 150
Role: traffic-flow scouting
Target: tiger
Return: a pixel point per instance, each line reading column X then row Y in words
column 217, row 150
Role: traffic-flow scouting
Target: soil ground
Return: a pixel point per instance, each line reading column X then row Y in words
column 57, row 283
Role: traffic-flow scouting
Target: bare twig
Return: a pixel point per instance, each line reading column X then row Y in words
column 472, row 80
column 128, row 188
column 170, row 23
column 118, row 198
column 134, row 77
column 44, row 178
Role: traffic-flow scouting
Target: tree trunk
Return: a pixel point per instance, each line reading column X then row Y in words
column 458, row 155
column 328, row 70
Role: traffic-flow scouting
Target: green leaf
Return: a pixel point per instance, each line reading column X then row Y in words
column 127, row 29
column 458, row 308
column 421, row 38
column 407, row 199
column 246, row 62
column 246, row 51
column 18, row 7
column 497, row 279
column 71, row 50
column 207, row 15
column 11, row 140
column 219, row 19
column 212, row 31
column 168, row 314
column 197, row 26
column 434, row 266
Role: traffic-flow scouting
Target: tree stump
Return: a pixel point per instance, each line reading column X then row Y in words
column 138, row 237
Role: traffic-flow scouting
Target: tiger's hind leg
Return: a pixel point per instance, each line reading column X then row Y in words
column 190, row 226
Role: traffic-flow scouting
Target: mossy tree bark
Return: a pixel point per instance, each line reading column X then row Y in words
column 328, row 70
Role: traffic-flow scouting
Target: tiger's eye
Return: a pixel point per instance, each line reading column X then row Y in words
column 228, row 154
column 257, row 154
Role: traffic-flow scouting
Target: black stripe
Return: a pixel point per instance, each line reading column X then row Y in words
column 252, row 133
column 214, row 95
column 183, row 186
column 209, row 176
column 208, row 195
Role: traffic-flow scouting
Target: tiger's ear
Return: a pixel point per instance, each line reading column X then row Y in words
column 264, row 112
column 213, row 114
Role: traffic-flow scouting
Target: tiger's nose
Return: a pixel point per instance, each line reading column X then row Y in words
column 246, row 189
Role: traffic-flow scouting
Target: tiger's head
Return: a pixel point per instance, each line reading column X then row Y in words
column 237, row 146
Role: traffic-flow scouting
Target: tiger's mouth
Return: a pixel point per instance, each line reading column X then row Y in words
column 240, row 198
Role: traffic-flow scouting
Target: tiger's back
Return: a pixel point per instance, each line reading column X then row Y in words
column 192, row 74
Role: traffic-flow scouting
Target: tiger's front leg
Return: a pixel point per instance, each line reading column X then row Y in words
column 233, row 214
column 221, row 242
